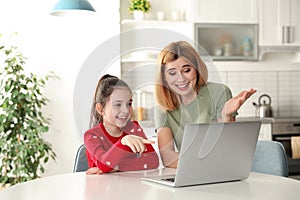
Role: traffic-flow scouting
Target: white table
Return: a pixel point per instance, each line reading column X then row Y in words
column 128, row 185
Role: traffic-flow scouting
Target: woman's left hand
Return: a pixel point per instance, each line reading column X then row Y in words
column 233, row 104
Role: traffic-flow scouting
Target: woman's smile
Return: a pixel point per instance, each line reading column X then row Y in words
column 183, row 86
column 180, row 76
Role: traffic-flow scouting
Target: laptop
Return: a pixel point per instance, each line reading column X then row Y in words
column 213, row 153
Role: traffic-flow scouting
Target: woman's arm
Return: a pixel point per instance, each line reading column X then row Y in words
column 233, row 104
column 166, row 147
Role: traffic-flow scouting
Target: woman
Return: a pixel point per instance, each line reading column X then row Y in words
column 185, row 96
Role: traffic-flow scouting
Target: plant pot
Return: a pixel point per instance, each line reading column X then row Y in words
column 138, row 15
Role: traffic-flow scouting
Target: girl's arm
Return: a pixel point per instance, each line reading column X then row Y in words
column 141, row 161
column 147, row 159
column 108, row 157
column 102, row 154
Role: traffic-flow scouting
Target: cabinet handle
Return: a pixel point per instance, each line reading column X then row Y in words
column 285, row 34
column 282, row 138
column 290, row 34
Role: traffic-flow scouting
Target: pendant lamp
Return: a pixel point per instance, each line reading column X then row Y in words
column 63, row 6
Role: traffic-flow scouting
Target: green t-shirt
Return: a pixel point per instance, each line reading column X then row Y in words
column 207, row 107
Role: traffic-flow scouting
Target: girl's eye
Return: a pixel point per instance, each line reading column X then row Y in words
column 130, row 104
column 117, row 105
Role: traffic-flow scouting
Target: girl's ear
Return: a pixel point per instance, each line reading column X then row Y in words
column 99, row 108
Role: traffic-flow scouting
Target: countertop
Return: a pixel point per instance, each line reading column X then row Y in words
column 270, row 119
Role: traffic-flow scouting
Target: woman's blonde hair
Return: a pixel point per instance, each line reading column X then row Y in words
column 165, row 97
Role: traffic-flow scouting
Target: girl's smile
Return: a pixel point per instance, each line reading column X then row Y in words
column 118, row 110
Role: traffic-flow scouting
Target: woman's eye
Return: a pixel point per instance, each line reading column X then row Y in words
column 186, row 70
column 130, row 104
column 171, row 73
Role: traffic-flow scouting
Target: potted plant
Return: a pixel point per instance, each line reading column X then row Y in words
column 138, row 8
column 23, row 150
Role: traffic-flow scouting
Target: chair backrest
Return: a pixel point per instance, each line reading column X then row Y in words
column 81, row 163
column 270, row 158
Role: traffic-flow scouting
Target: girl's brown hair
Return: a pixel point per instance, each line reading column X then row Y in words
column 164, row 96
column 104, row 89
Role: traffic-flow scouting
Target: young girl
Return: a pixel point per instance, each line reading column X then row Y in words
column 115, row 143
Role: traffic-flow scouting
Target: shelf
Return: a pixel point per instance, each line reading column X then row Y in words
column 275, row 49
column 154, row 22
column 138, row 60
column 232, row 58
column 141, row 56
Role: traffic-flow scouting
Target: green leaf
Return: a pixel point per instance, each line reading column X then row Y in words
column 23, row 149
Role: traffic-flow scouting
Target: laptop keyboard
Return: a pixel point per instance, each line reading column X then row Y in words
column 168, row 179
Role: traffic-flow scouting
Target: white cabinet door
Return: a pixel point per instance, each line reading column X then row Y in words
column 279, row 22
column 150, row 35
column 220, row 11
column 186, row 29
column 295, row 21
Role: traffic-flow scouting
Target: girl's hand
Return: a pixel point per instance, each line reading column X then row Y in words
column 93, row 171
column 136, row 143
column 233, row 104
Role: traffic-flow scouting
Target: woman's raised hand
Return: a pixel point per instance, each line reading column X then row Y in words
column 233, row 104
column 136, row 143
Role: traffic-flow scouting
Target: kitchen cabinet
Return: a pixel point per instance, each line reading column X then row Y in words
column 220, row 11
column 279, row 23
column 178, row 30
column 228, row 41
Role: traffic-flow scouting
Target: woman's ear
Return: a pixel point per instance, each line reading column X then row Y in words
column 99, row 108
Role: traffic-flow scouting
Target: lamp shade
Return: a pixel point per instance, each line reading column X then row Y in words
column 71, row 5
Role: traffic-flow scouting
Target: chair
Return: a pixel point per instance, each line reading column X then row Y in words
column 270, row 158
column 81, row 163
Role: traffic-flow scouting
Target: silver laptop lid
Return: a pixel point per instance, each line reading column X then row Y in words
column 216, row 152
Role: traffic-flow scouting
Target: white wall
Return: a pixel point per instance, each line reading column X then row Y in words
column 61, row 44
column 276, row 75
